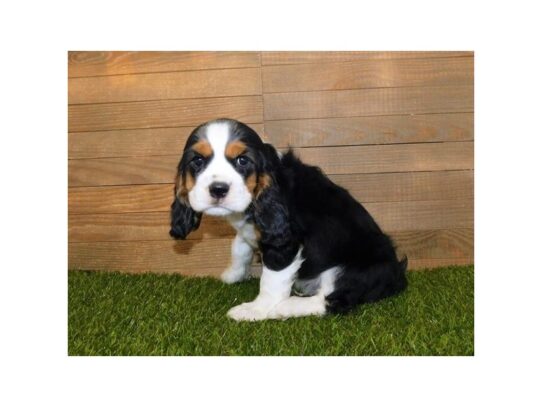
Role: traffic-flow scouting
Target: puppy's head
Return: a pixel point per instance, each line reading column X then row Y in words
column 224, row 167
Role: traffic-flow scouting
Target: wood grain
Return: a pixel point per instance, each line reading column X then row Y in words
column 196, row 257
column 120, row 199
column 311, row 57
column 110, row 227
column 394, row 128
column 371, row 130
column 162, row 113
column 424, row 264
column 407, row 215
column 93, row 63
column 122, row 171
column 368, row 102
column 155, row 225
column 412, row 186
column 132, row 143
column 368, row 74
column 353, row 160
column 408, row 186
column 170, row 85
column 390, row 158
column 435, row 244
column 296, row 133
column 186, row 257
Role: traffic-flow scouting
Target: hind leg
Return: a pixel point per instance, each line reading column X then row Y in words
column 275, row 287
column 366, row 285
column 305, row 306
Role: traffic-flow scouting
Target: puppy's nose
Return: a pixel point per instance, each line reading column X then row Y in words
column 218, row 189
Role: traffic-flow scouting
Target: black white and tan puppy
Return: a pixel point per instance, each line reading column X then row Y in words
column 315, row 239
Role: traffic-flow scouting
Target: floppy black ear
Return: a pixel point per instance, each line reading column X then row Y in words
column 183, row 219
column 271, row 215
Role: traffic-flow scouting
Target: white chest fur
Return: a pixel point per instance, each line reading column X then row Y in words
column 245, row 229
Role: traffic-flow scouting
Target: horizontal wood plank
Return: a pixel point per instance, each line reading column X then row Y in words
column 368, row 102
column 93, row 63
column 155, row 225
column 390, row 158
column 193, row 257
column 424, row 264
column 412, row 186
column 368, row 74
column 162, row 113
column 122, row 171
column 131, row 143
column 435, row 244
column 353, row 160
column 408, row 215
column 170, row 85
column 371, row 130
column 110, row 227
column 311, row 57
column 408, row 186
column 283, row 133
column 185, row 257
column 120, row 199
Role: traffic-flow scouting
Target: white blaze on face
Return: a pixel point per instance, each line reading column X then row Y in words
column 219, row 169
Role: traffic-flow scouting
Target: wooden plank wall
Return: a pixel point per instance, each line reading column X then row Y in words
column 395, row 128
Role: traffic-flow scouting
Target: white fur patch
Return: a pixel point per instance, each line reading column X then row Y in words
column 242, row 249
column 247, row 230
column 241, row 257
column 219, row 169
column 275, row 287
column 304, row 306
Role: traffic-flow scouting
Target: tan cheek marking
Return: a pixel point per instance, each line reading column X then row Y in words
column 251, row 183
column 203, row 148
column 184, row 186
column 189, row 182
column 264, row 182
column 235, row 148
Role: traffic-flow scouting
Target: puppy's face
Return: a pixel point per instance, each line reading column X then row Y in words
column 220, row 171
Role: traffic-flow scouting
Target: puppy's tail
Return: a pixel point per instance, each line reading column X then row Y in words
column 357, row 285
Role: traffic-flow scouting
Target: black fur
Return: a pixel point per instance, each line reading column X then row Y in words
column 270, row 213
column 183, row 219
column 335, row 230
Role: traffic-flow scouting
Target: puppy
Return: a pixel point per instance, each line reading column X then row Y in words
column 314, row 237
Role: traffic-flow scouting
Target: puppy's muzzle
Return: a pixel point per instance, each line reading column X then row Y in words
column 218, row 190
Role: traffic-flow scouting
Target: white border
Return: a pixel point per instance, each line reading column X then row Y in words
column 37, row 35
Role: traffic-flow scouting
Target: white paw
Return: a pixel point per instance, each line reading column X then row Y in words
column 233, row 275
column 280, row 311
column 249, row 311
column 298, row 307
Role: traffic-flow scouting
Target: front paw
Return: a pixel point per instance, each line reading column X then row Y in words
column 249, row 311
column 234, row 275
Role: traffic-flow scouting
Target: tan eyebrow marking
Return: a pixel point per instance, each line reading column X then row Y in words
column 203, row 148
column 235, row 148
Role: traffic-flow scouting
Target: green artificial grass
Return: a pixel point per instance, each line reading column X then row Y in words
column 149, row 314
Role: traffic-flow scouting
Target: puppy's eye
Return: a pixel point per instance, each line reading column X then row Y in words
column 197, row 162
column 242, row 161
